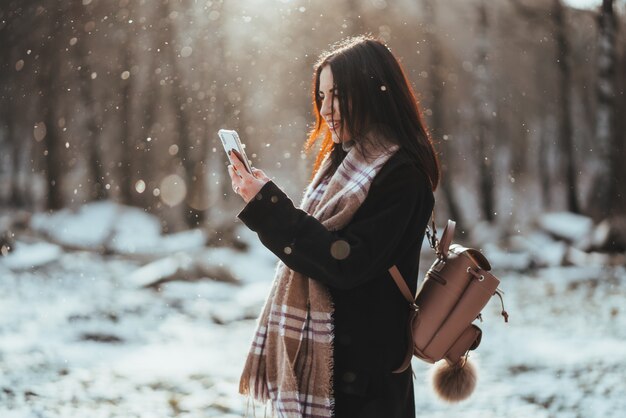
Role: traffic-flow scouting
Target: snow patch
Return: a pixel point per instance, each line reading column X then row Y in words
column 567, row 225
column 30, row 256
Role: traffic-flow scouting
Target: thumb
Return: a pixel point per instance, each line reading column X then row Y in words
column 259, row 173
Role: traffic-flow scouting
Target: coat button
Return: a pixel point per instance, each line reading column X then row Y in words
column 274, row 199
column 340, row 249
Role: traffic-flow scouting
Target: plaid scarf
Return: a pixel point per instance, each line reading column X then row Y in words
column 290, row 361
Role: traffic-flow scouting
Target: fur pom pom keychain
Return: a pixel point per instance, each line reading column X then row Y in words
column 454, row 382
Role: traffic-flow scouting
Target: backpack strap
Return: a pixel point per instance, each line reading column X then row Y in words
column 442, row 247
column 397, row 277
column 446, row 239
column 413, row 313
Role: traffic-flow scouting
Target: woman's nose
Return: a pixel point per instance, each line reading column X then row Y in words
column 325, row 109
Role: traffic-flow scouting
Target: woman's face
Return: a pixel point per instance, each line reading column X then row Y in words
column 329, row 109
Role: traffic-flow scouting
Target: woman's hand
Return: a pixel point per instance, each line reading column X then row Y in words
column 245, row 184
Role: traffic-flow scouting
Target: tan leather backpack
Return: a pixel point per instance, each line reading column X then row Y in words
column 457, row 287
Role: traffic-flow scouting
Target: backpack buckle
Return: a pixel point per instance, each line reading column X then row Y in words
column 439, row 265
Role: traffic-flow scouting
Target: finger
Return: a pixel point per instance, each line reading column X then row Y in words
column 234, row 174
column 235, row 159
column 238, row 163
column 238, row 167
column 259, row 173
column 232, row 158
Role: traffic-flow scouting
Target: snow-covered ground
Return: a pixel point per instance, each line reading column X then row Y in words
column 81, row 337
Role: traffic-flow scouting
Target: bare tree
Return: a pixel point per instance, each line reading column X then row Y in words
column 568, row 166
column 49, row 80
column 88, row 105
column 437, row 106
column 127, row 140
column 618, row 204
column 543, row 165
column 602, row 199
column 187, row 148
column 16, row 19
column 217, row 111
column 9, row 146
column 149, row 103
column 484, row 105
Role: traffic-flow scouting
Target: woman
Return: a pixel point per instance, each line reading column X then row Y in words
column 334, row 325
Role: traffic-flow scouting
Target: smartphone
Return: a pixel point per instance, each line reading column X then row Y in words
column 230, row 141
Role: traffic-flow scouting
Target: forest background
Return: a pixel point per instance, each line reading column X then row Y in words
column 122, row 100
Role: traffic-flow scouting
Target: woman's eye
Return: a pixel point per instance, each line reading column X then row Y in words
column 334, row 94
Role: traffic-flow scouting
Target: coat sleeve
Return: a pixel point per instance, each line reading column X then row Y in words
column 348, row 257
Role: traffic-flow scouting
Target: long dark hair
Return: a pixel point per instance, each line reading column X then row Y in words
column 374, row 97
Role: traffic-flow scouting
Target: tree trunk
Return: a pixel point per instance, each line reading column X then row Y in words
column 601, row 201
column 217, row 115
column 11, row 149
column 566, row 143
column 543, row 166
column 619, row 148
column 437, row 120
column 484, row 106
column 187, row 148
column 149, row 95
column 48, row 81
column 16, row 194
column 88, row 103
column 6, row 93
column 128, row 144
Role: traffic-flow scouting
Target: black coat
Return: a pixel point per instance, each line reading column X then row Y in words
column 370, row 313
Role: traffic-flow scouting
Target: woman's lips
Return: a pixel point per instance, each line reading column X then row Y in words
column 333, row 125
